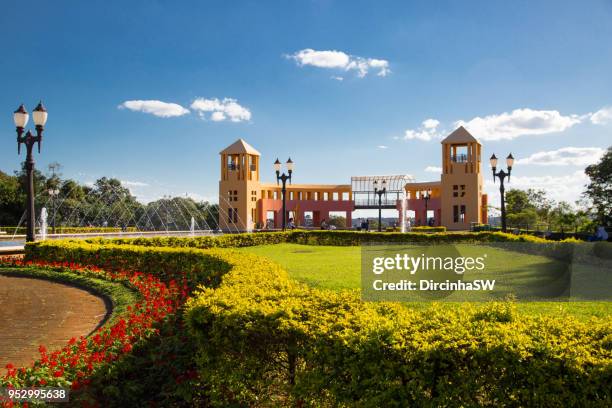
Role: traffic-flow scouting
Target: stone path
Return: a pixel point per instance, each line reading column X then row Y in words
column 36, row 311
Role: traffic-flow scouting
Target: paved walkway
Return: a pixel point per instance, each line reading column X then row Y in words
column 36, row 311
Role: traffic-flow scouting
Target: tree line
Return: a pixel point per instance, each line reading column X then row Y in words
column 533, row 209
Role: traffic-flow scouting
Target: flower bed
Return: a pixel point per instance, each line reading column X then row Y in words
column 81, row 359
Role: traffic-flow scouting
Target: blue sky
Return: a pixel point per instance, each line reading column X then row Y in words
column 343, row 87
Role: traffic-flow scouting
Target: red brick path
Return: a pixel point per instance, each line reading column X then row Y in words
column 36, row 311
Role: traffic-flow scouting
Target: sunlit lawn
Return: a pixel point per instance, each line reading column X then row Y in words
column 339, row 268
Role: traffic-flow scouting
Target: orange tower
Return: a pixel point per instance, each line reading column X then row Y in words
column 238, row 187
column 462, row 200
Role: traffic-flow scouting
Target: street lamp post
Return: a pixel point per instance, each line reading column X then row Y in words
column 380, row 192
column 283, row 178
column 20, row 117
column 426, row 196
column 502, row 175
column 53, row 192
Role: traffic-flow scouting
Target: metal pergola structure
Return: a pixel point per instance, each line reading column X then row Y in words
column 365, row 198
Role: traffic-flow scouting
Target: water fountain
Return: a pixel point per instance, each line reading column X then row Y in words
column 110, row 208
column 43, row 224
column 403, row 215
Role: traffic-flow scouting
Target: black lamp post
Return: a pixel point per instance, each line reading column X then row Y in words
column 284, row 177
column 502, row 175
column 53, row 192
column 20, row 117
column 426, row 196
column 380, row 192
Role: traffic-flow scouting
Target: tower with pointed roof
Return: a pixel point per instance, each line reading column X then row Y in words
column 238, row 187
column 462, row 198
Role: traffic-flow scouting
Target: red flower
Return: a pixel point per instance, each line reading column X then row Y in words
column 107, row 344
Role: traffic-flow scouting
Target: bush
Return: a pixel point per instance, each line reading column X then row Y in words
column 319, row 237
column 267, row 340
column 164, row 263
column 423, row 228
column 428, row 229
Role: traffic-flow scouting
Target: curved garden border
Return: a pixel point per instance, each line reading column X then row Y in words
column 82, row 359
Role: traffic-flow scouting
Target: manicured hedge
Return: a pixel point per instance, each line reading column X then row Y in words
column 164, row 263
column 267, row 340
column 424, row 228
column 264, row 339
column 320, row 237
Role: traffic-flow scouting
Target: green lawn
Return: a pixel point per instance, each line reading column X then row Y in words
column 339, row 268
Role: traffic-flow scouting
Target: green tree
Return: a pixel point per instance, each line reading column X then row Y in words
column 599, row 190
column 520, row 209
column 517, row 201
column 337, row 221
column 563, row 217
column 541, row 203
column 12, row 200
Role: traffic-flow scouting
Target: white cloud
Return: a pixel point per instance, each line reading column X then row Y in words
column 382, row 147
column 567, row 187
column 321, row 59
column 337, row 78
column 154, row 107
column 431, row 123
column 433, row 169
column 217, row 116
column 517, row 123
column 426, row 132
column 565, row 156
column 602, row 116
column 221, row 110
column 133, row 183
column 332, row 59
column 201, row 197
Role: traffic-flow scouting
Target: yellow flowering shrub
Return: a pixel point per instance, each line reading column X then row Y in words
column 266, row 340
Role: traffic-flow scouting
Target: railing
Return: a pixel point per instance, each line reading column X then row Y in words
column 459, row 158
column 370, row 199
